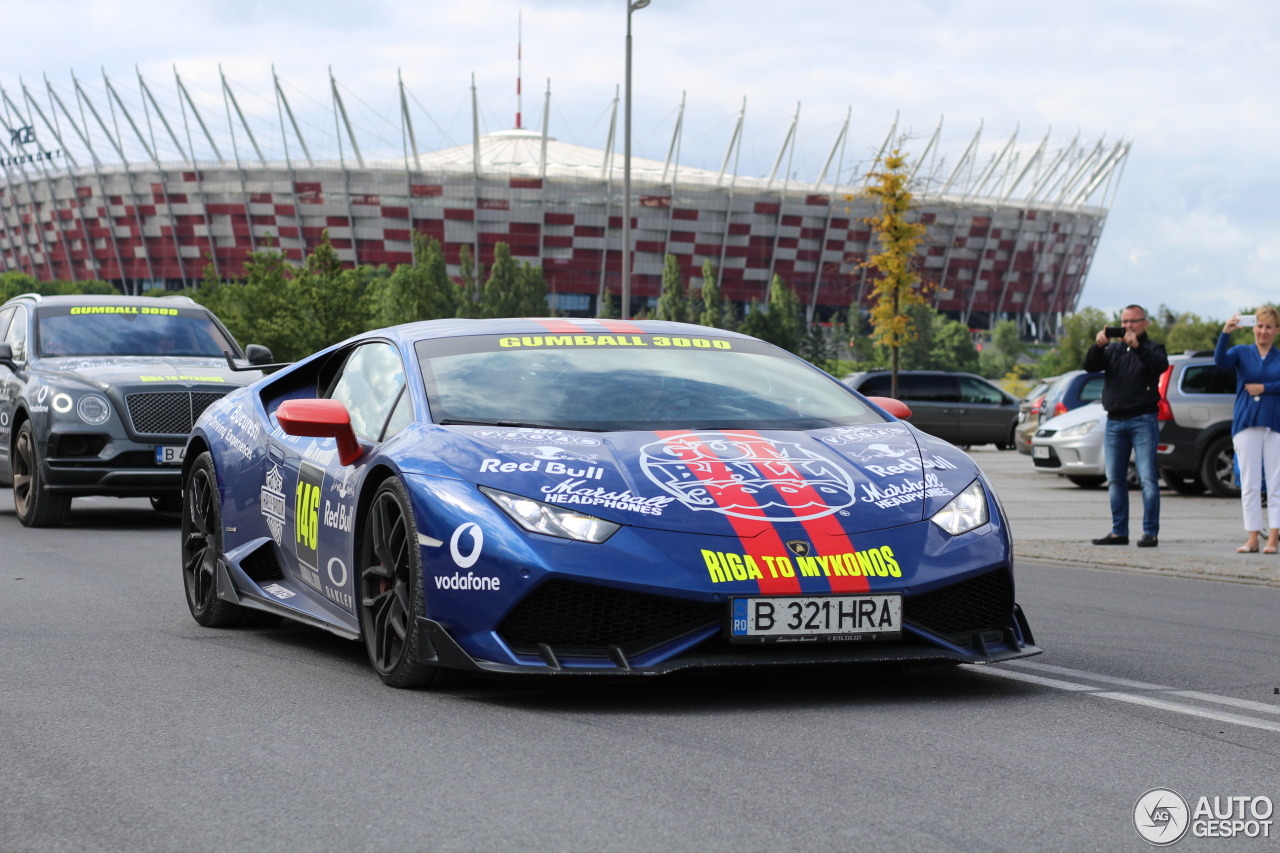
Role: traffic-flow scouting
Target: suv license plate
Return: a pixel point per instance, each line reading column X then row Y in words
column 170, row 455
column 1040, row 452
column 830, row 617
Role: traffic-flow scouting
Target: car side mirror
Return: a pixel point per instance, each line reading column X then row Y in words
column 6, row 355
column 321, row 419
column 258, row 354
column 897, row 408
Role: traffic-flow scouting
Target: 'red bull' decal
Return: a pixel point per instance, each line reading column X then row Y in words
column 745, row 475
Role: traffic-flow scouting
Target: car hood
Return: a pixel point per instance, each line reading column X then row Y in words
column 1087, row 412
column 108, row 371
column 737, row 482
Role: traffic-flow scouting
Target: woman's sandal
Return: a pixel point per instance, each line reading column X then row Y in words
column 1245, row 549
column 1268, row 550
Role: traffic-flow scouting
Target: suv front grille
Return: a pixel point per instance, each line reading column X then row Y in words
column 169, row 412
column 983, row 603
column 576, row 616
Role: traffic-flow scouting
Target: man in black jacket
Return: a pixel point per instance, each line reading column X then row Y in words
column 1131, row 396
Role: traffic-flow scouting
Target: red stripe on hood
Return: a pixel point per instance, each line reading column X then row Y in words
column 826, row 530
column 753, row 535
column 560, row 327
column 618, row 326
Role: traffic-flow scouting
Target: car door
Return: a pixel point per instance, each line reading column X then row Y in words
column 13, row 331
column 320, row 492
column 986, row 413
column 934, row 399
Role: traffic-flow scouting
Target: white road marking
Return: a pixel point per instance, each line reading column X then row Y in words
column 1133, row 698
column 1247, row 704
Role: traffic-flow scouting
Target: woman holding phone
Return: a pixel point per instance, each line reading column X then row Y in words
column 1255, row 424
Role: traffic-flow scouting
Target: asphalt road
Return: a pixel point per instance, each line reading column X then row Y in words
column 126, row 727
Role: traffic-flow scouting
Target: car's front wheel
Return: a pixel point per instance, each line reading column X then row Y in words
column 202, row 548
column 391, row 591
column 1218, row 470
column 35, row 504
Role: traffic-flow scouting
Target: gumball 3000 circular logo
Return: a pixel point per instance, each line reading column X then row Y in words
column 1161, row 816
column 747, row 476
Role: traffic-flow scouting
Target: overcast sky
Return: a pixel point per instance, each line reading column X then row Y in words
column 1193, row 84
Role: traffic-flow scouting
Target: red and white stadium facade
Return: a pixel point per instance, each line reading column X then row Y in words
column 1009, row 234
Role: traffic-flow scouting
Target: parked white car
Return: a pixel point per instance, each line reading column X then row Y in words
column 1073, row 446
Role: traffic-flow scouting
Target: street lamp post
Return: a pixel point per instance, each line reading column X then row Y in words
column 632, row 5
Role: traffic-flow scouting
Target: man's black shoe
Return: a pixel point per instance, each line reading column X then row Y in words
column 1112, row 539
column 1148, row 541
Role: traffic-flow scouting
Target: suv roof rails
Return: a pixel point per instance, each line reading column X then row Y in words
column 1198, row 353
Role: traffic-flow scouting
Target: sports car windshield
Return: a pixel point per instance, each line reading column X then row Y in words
column 630, row 382
column 129, row 330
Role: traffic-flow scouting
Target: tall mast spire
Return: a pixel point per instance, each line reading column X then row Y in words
column 519, row 61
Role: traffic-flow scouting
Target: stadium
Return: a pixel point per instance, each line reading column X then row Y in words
column 103, row 182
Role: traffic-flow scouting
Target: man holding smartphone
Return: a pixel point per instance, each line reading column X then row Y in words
column 1131, row 396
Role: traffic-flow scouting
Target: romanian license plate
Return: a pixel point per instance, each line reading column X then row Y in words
column 830, row 617
column 1040, row 452
column 170, row 455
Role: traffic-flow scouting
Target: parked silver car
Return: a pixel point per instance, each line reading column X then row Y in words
column 1072, row 446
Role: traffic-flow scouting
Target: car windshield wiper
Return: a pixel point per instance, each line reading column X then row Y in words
column 517, row 424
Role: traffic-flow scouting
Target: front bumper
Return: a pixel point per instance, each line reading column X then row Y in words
column 123, row 469
column 437, row 646
column 1078, row 455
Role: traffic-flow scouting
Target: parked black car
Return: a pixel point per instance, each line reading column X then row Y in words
column 957, row 407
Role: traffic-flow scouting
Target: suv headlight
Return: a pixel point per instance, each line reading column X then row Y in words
column 966, row 511
column 538, row 517
column 93, row 409
column 1078, row 429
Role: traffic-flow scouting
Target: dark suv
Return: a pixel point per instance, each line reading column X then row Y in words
column 98, row 393
column 957, row 407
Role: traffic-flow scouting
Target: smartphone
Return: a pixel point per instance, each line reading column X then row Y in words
column 1115, row 331
column 1247, row 320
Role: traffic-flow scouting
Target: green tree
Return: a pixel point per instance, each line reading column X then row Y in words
column 672, row 303
column 1078, row 333
column 500, row 296
column 1005, row 348
column 896, row 287
column 422, row 290
column 714, row 309
column 608, row 309
column 780, row 322
column 471, row 297
column 330, row 299
column 530, row 293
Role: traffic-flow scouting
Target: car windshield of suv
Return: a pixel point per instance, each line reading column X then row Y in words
column 128, row 330
column 630, row 382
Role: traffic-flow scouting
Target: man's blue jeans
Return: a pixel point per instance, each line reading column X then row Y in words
column 1139, row 435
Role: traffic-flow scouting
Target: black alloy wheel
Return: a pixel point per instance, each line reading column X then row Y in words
column 1218, row 470
column 392, row 592
column 201, row 549
column 35, row 504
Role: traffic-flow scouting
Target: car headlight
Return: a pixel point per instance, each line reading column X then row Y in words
column 93, row 409
column 966, row 511
column 539, row 517
column 1078, row 429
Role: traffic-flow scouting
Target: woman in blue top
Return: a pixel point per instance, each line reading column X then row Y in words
column 1255, row 425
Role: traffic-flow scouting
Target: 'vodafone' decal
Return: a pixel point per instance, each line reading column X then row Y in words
column 477, row 543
